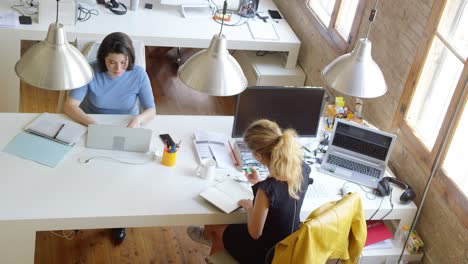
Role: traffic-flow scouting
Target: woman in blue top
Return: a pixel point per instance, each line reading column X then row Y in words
column 118, row 87
column 274, row 212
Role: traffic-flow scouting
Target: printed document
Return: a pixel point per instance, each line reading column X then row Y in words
column 214, row 145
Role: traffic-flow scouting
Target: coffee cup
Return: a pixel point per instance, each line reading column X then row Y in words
column 207, row 169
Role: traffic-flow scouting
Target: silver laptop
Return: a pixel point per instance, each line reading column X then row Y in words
column 357, row 153
column 119, row 138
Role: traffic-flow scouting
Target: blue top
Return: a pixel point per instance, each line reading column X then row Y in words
column 107, row 95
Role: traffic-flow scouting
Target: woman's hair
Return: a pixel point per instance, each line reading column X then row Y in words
column 281, row 148
column 116, row 42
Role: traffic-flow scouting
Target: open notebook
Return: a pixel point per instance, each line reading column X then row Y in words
column 56, row 128
column 226, row 194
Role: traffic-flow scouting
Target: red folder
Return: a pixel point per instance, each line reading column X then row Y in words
column 376, row 232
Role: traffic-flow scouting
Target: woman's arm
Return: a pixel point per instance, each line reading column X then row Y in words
column 73, row 110
column 256, row 214
column 142, row 118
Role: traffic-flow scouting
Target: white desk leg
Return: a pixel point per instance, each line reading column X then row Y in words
column 9, row 82
column 291, row 61
column 17, row 244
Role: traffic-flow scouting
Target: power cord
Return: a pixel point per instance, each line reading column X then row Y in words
column 391, row 203
column 28, row 7
column 155, row 155
column 69, row 236
column 84, row 14
column 380, row 205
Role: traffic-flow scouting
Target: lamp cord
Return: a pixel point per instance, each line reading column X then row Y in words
column 56, row 17
column 372, row 17
column 224, row 13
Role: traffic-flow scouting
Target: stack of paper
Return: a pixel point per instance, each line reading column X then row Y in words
column 213, row 145
column 8, row 19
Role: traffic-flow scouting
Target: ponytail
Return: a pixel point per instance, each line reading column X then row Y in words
column 286, row 160
column 266, row 138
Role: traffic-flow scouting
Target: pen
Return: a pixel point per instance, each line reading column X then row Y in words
column 58, row 131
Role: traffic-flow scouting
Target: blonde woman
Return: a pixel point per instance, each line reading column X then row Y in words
column 274, row 212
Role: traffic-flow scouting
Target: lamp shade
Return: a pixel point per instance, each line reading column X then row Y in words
column 214, row 71
column 356, row 73
column 53, row 63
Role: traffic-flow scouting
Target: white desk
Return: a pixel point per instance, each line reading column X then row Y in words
column 105, row 194
column 161, row 26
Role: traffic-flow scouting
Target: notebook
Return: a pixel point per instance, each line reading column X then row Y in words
column 357, row 153
column 119, row 138
column 226, row 195
column 56, row 128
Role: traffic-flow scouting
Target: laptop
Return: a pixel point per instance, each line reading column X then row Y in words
column 357, row 153
column 118, row 138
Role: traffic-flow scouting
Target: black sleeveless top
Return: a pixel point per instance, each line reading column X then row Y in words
column 282, row 219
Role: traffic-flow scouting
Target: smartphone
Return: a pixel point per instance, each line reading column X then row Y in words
column 166, row 138
column 274, row 14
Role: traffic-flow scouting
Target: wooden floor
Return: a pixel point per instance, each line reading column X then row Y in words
column 142, row 245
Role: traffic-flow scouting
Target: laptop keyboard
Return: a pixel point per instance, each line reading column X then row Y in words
column 354, row 166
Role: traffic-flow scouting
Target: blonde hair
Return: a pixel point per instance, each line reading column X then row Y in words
column 281, row 148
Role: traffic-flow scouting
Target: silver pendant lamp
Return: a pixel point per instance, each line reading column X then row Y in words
column 214, row 71
column 356, row 73
column 53, row 63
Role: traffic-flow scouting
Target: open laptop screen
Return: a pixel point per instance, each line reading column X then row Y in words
column 363, row 141
column 291, row 107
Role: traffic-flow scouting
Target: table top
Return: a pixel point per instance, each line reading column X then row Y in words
column 164, row 26
column 105, row 193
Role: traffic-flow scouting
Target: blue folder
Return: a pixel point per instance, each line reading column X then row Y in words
column 38, row 149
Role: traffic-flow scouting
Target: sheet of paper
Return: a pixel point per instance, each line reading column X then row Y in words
column 8, row 19
column 202, row 147
column 38, row 149
column 223, row 157
column 214, row 145
column 262, row 30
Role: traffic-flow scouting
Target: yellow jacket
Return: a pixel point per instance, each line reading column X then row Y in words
column 335, row 230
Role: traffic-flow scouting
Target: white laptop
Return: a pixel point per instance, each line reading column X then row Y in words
column 357, row 153
column 119, row 138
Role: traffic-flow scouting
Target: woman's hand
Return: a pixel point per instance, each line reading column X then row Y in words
column 252, row 175
column 135, row 122
column 245, row 203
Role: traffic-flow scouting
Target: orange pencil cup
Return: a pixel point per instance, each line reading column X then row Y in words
column 169, row 159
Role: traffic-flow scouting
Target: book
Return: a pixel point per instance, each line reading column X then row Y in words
column 56, row 128
column 226, row 194
column 377, row 231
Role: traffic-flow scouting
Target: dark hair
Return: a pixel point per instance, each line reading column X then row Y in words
column 116, row 42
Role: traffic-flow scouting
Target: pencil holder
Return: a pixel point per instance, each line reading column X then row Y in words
column 169, row 159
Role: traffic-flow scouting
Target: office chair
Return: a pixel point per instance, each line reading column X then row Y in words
column 335, row 230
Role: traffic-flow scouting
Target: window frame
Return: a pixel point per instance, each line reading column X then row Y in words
column 331, row 34
column 426, row 158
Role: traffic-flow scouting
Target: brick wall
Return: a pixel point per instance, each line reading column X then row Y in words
column 395, row 36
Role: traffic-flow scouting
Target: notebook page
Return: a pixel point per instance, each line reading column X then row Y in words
column 262, row 30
